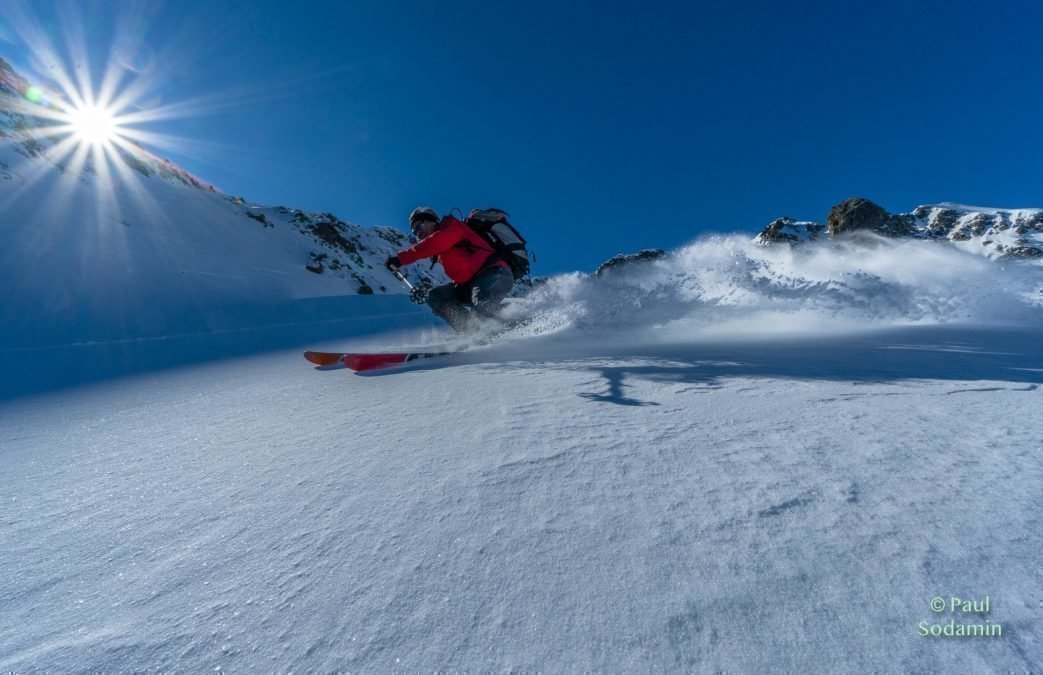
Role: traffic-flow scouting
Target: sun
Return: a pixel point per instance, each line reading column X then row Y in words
column 94, row 124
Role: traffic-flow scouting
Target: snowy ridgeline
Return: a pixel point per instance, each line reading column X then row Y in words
column 994, row 233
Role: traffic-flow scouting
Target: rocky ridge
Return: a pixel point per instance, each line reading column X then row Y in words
column 995, row 233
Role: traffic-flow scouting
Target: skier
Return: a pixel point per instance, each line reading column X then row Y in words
column 481, row 279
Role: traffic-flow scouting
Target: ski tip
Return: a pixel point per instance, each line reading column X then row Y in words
column 323, row 358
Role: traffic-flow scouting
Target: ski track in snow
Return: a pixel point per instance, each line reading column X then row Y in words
column 790, row 504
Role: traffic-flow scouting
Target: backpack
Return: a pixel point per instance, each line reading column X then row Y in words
column 492, row 226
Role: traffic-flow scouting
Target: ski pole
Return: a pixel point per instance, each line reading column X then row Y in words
column 418, row 293
column 402, row 278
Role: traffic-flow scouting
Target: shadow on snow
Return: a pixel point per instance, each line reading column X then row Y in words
column 1012, row 355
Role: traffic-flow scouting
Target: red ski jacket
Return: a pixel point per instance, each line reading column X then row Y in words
column 462, row 251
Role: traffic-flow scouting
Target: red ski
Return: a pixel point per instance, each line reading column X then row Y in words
column 360, row 362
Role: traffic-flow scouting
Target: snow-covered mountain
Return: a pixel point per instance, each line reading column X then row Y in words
column 992, row 232
column 135, row 246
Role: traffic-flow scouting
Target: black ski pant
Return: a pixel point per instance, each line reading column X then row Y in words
column 459, row 304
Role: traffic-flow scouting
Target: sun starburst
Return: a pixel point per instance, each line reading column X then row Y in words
column 94, row 124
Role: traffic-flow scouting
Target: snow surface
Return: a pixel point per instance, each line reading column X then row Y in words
column 689, row 469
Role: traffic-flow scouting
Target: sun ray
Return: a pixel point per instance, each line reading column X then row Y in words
column 76, row 43
column 228, row 99
column 178, row 144
column 36, row 172
column 112, row 78
column 43, row 53
column 56, row 207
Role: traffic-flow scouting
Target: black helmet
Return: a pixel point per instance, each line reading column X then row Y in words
column 421, row 214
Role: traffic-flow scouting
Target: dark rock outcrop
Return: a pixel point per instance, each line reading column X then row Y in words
column 329, row 232
column 789, row 231
column 856, row 214
column 261, row 218
column 622, row 260
column 1023, row 252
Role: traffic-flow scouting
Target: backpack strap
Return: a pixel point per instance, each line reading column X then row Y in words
column 471, row 247
column 490, row 259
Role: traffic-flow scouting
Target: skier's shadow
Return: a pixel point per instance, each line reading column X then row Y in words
column 615, row 376
column 940, row 353
column 1012, row 355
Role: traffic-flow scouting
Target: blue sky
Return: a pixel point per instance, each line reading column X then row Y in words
column 603, row 127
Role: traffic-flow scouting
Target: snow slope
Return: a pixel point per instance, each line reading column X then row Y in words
column 165, row 256
column 784, row 484
column 779, row 505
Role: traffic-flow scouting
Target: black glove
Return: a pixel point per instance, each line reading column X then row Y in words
column 419, row 293
column 392, row 263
